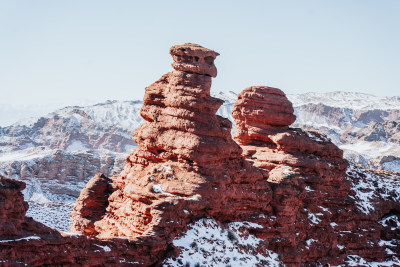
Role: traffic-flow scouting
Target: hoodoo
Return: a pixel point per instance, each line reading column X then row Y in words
column 313, row 201
column 185, row 156
column 291, row 191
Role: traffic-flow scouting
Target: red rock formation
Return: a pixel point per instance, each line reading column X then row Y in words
column 91, row 205
column 26, row 242
column 12, row 206
column 185, row 155
column 312, row 198
column 13, row 209
column 187, row 167
column 194, row 58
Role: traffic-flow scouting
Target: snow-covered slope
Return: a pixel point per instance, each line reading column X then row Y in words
column 103, row 126
column 350, row 100
column 366, row 127
column 11, row 113
column 206, row 243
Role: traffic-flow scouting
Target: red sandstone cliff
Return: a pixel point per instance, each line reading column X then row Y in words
column 313, row 198
column 291, row 184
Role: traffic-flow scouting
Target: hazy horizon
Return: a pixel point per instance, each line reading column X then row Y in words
column 11, row 113
column 71, row 52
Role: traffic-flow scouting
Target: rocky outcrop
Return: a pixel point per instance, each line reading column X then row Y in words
column 91, row 205
column 264, row 134
column 287, row 187
column 185, row 156
column 194, row 58
column 13, row 209
column 313, row 198
column 388, row 131
column 25, row 242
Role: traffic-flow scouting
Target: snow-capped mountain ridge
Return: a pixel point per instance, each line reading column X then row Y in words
column 342, row 99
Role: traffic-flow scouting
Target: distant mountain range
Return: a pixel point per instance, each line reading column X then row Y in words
column 58, row 153
column 366, row 127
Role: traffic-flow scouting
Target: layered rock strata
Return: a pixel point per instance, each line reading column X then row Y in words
column 91, row 205
column 13, row 222
column 185, row 156
column 25, row 242
column 312, row 197
column 290, row 184
column 184, row 159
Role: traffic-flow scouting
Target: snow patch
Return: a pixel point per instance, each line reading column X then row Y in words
column 157, row 189
column 391, row 221
column 166, row 168
column 206, row 243
column 333, row 224
column 20, row 239
column 105, row 248
column 355, row 260
column 309, row 242
column 313, row 217
column 369, row 185
column 76, row 145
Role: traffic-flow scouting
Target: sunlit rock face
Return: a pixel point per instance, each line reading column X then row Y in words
column 194, row 58
column 316, row 196
column 91, row 205
column 185, row 156
column 276, row 195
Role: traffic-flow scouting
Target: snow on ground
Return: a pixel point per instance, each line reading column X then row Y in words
column 157, row 189
column 355, row 260
column 391, row 221
column 341, row 99
column 26, row 154
column 309, row 242
column 372, row 186
column 53, row 214
column 316, row 136
column 206, row 243
column 75, row 146
column 370, row 150
column 20, row 239
column 105, row 248
column 392, row 165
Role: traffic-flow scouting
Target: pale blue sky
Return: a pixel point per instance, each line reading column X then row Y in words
column 67, row 51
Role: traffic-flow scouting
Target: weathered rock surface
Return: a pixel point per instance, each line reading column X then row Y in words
column 12, row 211
column 185, row 156
column 364, row 126
column 60, row 175
column 91, row 205
column 25, row 242
column 194, row 58
column 313, row 199
column 388, row 131
column 292, row 187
